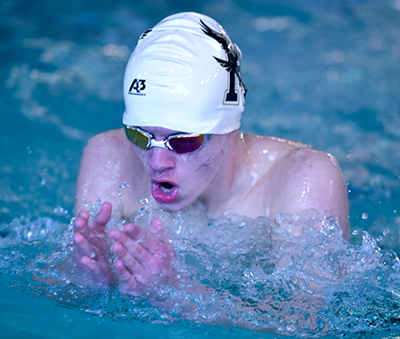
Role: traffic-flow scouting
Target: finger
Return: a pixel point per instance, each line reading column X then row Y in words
column 81, row 220
column 84, row 215
column 105, row 213
column 155, row 226
column 143, row 237
column 135, row 250
column 91, row 265
column 138, row 233
column 82, row 245
column 99, row 270
column 135, row 232
column 101, row 219
column 79, row 224
column 127, row 282
column 133, row 265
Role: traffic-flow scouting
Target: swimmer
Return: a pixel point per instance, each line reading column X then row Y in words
column 184, row 96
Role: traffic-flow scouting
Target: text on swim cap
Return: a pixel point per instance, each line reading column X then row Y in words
column 137, row 86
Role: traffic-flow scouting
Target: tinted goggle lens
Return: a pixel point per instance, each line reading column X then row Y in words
column 136, row 137
column 179, row 144
column 185, row 144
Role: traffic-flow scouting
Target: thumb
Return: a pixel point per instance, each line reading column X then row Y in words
column 102, row 218
column 155, row 226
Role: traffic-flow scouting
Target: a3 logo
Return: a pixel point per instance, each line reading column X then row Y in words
column 137, row 86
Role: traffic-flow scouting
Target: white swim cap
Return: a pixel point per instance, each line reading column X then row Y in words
column 184, row 75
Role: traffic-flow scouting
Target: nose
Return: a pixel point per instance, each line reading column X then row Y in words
column 159, row 159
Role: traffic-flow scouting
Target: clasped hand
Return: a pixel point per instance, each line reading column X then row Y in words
column 145, row 256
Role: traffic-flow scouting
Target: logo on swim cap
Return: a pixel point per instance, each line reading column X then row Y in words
column 137, row 86
column 232, row 65
column 145, row 34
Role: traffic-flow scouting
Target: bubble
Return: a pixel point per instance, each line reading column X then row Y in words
column 364, row 216
column 355, row 232
column 144, row 201
column 119, row 189
column 60, row 210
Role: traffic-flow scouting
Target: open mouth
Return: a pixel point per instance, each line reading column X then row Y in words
column 166, row 186
column 164, row 191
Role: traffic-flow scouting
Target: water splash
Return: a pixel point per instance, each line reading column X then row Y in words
column 119, row 189
column 255, row 273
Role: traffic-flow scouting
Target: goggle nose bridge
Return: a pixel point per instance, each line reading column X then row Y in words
column 157, row 143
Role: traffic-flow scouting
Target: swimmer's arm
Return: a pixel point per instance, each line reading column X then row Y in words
column 102, row 170
column 311, row 179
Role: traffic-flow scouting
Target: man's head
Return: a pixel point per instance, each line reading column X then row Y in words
column 184, row 75
column 184, row 97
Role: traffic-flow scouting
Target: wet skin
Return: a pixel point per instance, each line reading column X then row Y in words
column 176, row 180
column 247, row 174
column 190, row 175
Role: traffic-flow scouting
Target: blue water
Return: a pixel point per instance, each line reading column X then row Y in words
column 324, row 73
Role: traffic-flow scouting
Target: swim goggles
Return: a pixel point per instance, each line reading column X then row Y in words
column 179, row 143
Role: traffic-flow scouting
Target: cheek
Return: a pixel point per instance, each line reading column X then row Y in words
column 141, row 154
column 138, row 151
column 206, row 163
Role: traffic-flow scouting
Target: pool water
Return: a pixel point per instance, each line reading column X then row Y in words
column 324, row 73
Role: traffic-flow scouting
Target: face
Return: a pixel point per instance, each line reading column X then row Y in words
column 177, row 180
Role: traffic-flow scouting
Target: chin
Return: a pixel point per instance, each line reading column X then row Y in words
column 172, row 207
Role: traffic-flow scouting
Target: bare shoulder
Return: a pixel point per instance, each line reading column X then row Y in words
column 306, row 178
column 266, row 151
column 107, row 161
column 108, row 141
column 309, row 160
column 105, row 151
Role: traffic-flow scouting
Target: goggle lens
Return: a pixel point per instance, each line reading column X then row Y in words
column 137, row 138
column 185, row 144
